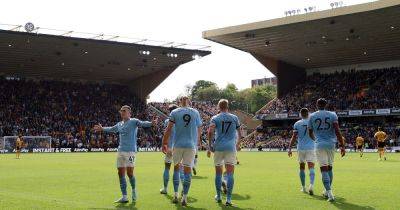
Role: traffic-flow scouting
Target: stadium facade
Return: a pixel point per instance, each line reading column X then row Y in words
column 328, row 41
column 41, row 53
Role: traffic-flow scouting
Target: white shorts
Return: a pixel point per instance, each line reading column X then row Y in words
column 126, row 159
column 325, row 157
column 184, row 155
column 224, row 157
column 168, row 157
column 305, row 156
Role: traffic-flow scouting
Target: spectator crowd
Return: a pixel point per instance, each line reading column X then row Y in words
column 279, row 137
column 346, row 90
column 67, row 111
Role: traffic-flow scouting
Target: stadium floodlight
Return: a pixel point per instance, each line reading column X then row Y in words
column 144, row 52
column 196, row 56
column 172, row 55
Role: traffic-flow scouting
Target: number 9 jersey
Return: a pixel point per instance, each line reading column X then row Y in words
column 226, row 125
column 321, row 122
column 186, row 121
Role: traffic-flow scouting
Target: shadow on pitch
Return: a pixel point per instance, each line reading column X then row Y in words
column 189, row 199
column 390, row 160
column 179, row 206
column 199, row 177
column 121, row 206
column 341, row 203
column 223, row 206
column 240, row 197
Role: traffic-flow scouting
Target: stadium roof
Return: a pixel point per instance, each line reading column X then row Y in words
column 92, row 59
column 347, row 35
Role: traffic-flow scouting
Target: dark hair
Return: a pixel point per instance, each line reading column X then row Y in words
column 172, row 107
column 304, row 112
column 321, row 103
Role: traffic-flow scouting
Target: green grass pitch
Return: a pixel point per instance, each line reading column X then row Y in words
column 262, row 181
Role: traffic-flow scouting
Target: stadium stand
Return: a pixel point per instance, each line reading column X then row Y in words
column 64, row 110
column 345, row 90
column 332, row 55
column 60, row 83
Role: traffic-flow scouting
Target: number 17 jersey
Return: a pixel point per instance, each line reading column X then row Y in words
column 226, row 125
column 186, row 121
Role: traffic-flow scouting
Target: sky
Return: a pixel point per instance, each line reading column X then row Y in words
column 166, row 20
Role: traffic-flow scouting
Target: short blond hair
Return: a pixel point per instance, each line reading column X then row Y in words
column 126, row 107
column 184, row 101
column 223, row 104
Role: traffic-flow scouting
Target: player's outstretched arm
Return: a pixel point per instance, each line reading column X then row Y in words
column 292, row 140
column 99, row 128
column 145, row 124
column 165, row 139
column 339, row 138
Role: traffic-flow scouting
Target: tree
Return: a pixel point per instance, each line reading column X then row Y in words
column 199, row 85
column 259, row 96
column 229, row 92
column 249, row 100
column 208, row 94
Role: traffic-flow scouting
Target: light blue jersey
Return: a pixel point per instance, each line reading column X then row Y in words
column 226, row 125
column 186, row 120
column 321, row 122
column 172, row 136
column 304, row 142
column 127, row 133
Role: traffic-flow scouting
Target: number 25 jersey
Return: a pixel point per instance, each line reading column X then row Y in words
column 321, row 122
column 186, row 121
